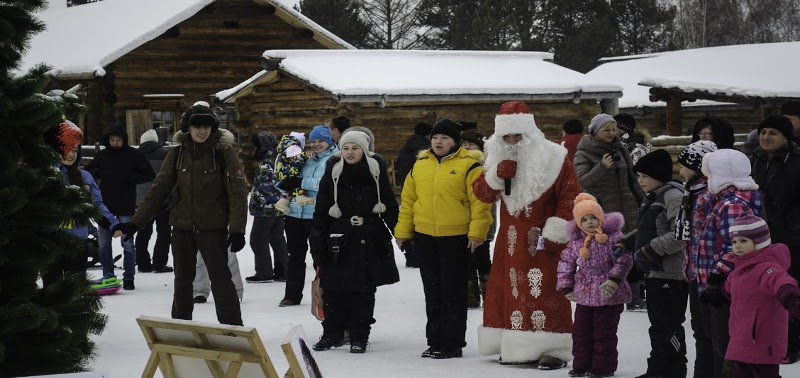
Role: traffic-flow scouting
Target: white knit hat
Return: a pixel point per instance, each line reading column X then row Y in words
column 362, row 140
column 148, row 136
column 727, row 167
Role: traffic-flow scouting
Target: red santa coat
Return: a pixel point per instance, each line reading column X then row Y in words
column 524, row 316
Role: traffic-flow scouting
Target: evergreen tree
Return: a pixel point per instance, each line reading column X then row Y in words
column 340, row 17
column 581, row 32
column 643, row 26
column 466, row 25
column 42, row 330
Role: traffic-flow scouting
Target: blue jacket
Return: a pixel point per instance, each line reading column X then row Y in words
column 312, row 175
column 97, row 198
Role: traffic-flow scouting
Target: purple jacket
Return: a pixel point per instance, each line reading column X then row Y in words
column 585, row 283
column 759, row 324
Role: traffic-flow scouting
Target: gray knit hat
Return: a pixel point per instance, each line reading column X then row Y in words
column 599, row 121
column 362, row 140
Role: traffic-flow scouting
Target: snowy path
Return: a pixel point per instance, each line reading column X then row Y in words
column 396, row 341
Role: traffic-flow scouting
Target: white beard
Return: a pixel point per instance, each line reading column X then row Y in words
column 539, row 163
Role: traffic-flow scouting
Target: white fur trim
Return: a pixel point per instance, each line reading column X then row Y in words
column 524, row 346
column 539, row 163
column 492, row 180
column 555, row 229
column 505, row 124
column 489, row 340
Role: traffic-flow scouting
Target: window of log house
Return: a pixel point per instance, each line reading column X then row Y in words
column 163, row 118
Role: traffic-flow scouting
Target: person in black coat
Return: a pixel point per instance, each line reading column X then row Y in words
column 408, row 154
column 776, row 170
column 155, row 153
column 351, row 241
column 118, row 168
column 714, row 129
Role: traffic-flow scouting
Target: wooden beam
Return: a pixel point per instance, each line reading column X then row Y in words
column 674, row 116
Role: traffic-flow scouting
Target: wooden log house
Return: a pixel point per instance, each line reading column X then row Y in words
column 145, row 61
column 391, row 91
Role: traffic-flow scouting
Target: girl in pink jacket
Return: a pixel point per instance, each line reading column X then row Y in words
column 598, row 286
column 761, row 293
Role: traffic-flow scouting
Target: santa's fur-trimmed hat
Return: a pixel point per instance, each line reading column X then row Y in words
column 514, row 118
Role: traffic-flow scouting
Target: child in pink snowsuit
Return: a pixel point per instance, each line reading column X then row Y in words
column 761, row 293
column 598, row 287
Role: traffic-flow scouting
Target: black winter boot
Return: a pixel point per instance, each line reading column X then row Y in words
column 326, row 342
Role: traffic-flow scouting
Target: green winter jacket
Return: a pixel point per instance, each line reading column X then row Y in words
column 209, row 187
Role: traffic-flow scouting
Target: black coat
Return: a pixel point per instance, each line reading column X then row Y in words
column 366, row 256
column 408, row 156
column 118, row 170
column 779, row 180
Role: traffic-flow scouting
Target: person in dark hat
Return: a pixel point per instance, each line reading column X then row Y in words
column 660, row 256
column 208, row 211
column 338, row 125
column 408, row 154
column 636, row 141
column 571, row 134
column 119, row 168
column 442, row 215
column 791, row 110
column 776, row 170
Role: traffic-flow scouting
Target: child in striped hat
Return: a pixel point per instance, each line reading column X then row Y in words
column 761, row 293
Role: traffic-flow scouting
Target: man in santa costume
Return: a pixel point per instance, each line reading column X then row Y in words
column 525, row 319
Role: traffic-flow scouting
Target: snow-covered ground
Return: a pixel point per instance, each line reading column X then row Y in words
column 396, row 341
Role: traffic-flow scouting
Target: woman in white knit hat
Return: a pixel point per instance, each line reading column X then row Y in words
column 351, row 240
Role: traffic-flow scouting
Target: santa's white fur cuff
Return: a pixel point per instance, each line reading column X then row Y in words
column 555, row 230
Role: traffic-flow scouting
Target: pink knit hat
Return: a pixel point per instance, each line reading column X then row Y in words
column 751, row 227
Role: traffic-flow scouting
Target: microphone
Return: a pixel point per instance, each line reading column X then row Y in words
column 508, row 186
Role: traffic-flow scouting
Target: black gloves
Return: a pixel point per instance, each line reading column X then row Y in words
column 647, row 260
column 789, row 296
column 713, row 294
column 236, row 242
column 129, row 229
column 289, row 184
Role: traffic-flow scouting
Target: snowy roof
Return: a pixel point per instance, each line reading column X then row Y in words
column 410, row 75
column 762, row 70
column 79, row 41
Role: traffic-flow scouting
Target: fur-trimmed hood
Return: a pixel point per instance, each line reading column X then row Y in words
column 614, row 222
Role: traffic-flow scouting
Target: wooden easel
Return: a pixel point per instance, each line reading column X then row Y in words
column 202, row 347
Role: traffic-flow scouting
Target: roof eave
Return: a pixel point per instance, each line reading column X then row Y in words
column 386, row 98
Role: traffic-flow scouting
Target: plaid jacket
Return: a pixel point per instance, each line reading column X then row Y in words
column 690, row 224
column 715, row 241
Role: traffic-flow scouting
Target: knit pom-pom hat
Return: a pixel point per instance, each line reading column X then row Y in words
column 360, row 139
column 586, row 204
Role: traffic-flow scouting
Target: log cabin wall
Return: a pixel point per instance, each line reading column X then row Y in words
column 216, row 49
column 285, row 105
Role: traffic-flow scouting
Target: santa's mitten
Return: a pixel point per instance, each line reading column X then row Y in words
column 303, row 200
column 283, row 205
column 507, row 169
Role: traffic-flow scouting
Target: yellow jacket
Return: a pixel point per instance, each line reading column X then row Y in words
column 437, row 198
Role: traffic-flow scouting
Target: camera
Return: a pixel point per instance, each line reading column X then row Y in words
column 615, row 155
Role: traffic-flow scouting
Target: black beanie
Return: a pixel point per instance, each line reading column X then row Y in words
column 573, row 126
column 448, row 127
column 625, row 122
column 422, row 128
column 473, row 136
column 341, row 123
column 777, row 122
column 657, row 164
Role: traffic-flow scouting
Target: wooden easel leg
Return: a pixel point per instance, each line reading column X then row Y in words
column 167, row 367
column 233, row 369
column 152, row 365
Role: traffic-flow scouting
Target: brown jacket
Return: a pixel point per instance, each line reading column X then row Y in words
column 208, row 196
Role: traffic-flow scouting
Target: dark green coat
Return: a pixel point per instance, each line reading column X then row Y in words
column 205, row 186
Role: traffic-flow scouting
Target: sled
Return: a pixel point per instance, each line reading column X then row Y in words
column 107, row 286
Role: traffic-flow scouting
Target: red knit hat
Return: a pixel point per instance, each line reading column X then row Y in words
column 514, row 118
column 64, row 137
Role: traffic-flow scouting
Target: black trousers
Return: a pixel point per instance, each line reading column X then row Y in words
column 266, row 232
column 704, row 361
column 715, row 323
column 212, row 245
column 297, row 233
column 161, row 249
column 348, row 311
column 666, row 309
column 745, row 370
column 479, row 262
column 444, row 271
